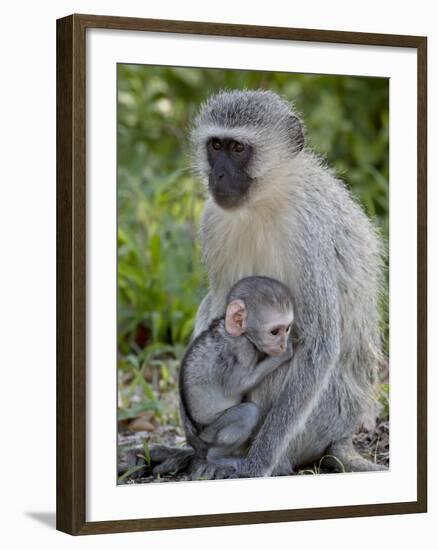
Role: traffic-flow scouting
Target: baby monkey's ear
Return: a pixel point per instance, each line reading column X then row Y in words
column 235, row 318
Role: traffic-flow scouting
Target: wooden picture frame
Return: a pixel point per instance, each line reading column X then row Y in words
column 71, row 273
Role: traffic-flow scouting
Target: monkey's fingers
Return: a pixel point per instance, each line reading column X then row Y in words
column 225, row 472
column 203, row 471
column 169, row 466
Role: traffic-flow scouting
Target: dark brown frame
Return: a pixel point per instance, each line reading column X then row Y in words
column 71, row 266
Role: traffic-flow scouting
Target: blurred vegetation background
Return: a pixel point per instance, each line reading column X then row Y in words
column 160, row 277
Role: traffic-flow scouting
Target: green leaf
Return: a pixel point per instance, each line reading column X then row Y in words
column 155, row 248
column 147, row 454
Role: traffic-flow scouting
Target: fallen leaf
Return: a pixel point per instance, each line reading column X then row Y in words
column 141, row 424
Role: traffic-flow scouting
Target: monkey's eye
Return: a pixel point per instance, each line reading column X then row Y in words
column 274, row 332
column 237, row 147
column 288, row 328
column 216, row 144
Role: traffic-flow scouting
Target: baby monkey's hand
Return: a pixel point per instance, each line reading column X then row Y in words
column 288, row 354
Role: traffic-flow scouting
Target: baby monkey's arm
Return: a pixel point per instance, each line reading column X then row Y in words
column 243, row 379
column 265, row 367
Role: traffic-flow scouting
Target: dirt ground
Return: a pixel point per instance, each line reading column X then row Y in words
column 372, row 444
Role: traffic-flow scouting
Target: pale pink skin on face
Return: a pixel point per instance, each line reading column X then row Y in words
column 276, row 327
column 275, row 344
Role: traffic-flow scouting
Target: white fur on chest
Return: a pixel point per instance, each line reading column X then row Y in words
column 242, row 244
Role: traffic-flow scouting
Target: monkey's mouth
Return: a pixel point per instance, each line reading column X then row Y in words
column 226, row 201
column 229, row 195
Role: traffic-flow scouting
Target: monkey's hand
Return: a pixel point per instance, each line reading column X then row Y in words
column 289, row 353
column 245, row 467
column 239, row 467
column 202, row 470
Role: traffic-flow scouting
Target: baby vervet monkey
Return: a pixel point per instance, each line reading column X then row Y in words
column 228, row 360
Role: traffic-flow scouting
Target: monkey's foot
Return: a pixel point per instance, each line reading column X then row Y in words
column 201, row 470
column 248, row 467
column 162, row 460
column 343, row 457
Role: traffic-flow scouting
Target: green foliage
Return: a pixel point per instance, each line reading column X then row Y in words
column 384, row 399
column 160, row 277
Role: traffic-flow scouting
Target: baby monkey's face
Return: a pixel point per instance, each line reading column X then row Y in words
column 271, row 332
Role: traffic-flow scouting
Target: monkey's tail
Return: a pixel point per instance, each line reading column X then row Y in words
column 343, row 457
column 174, row 460
column 171, row 459
column 162, row 458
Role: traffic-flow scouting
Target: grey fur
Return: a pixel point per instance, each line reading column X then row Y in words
column 259, row 118
column 218, row 369
column 300, row 225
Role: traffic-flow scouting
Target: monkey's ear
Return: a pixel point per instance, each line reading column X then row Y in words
column 235, row 318
column 296, row 133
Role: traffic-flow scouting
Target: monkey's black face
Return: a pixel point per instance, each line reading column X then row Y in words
column 228, row 181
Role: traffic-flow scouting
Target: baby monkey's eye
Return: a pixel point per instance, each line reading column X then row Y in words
column 274, row 332
column 216, row 144
column 237, row 147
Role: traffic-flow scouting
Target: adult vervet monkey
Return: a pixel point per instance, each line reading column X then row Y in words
column 276, row 210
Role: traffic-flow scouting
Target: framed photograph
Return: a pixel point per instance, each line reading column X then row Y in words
column 241, row 274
